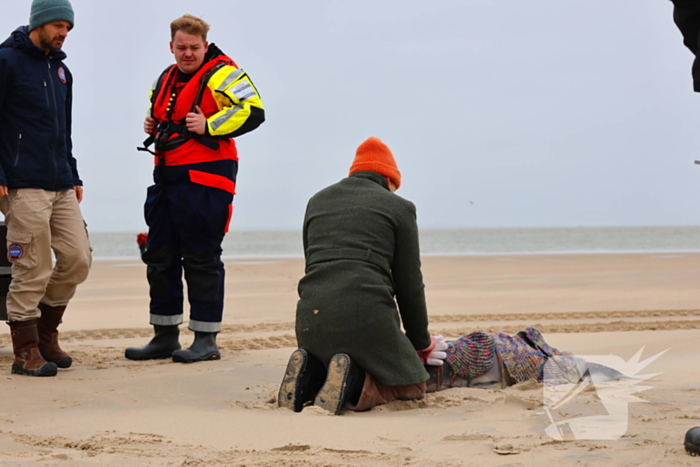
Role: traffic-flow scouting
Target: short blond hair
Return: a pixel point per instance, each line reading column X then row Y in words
column 191, row 25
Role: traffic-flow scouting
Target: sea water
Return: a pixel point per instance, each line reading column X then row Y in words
column 478, row 241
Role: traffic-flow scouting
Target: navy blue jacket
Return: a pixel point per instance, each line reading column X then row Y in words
column 35, row 117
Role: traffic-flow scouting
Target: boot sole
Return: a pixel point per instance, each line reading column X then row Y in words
column 134, row 354
column 331, row 397
column 178, row 358
column 48, row 369
column 288, row 396
column 161, row 356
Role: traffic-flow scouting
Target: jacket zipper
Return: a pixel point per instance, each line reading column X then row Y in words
column 19, row 145
column 55, row 110
column 46, row 93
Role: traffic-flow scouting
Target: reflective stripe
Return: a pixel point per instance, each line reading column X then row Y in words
column 233, row 76
column 166, row 320
column 216, row 124
column 203, row 326
column 213, row 180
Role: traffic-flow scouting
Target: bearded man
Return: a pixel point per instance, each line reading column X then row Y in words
column 39, row 187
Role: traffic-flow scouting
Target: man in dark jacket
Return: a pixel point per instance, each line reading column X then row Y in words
column 362, row 262
column 686, row 15
column 39, row 187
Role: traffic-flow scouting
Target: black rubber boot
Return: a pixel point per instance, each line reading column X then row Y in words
column 303, row 379
column 203, row 348
column 692, row 441
column 161, row 346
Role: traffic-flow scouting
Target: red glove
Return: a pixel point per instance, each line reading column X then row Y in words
column 141, row 239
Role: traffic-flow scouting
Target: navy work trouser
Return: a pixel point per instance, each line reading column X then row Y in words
column 187, row 222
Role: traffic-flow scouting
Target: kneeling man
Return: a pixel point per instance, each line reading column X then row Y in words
column 363, row 281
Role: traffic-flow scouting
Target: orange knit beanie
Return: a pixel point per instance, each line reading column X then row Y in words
column 375, row 156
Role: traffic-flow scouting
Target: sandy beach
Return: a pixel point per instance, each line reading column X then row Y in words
column 106, row 410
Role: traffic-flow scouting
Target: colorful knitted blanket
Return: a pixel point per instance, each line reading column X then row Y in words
column 525, row 356
column 472, row 355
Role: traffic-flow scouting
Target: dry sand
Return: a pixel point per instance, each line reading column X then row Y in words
column 106, row 410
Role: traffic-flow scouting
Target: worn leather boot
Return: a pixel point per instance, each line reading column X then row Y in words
column 25, row 342
column 163, row 344
column 302, row 380
column 203, row 348
column 343, row 385
column 48, row 336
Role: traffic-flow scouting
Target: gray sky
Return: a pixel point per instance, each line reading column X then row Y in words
column 539, row 112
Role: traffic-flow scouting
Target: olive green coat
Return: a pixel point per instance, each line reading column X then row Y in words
column 362, row 259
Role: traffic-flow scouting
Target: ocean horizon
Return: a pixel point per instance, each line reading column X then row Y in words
column 457, row 241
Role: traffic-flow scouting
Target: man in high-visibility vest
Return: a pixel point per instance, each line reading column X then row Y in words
column 198, row 105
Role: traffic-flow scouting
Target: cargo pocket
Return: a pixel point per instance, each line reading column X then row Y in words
column 19, row 249
column 219, row 182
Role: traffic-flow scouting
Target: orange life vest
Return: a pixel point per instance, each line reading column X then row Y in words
column 171, row 103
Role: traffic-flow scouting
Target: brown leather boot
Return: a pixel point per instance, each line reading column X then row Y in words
column 25, row 341
column 48, row 336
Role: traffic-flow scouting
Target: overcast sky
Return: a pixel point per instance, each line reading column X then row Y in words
column 499, row 112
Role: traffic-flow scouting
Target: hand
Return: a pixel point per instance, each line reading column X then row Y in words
column 78, row 193
column 149, row 125
column 196, row 122
column 437, row 356
column 3, row 191
column 435, row 353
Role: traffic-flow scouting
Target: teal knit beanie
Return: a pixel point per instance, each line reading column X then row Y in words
column 45, row 11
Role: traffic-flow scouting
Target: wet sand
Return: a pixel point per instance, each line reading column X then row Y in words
column 106, row 410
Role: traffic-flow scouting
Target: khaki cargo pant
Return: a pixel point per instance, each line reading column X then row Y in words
column 39, row 221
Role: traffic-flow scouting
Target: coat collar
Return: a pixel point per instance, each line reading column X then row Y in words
column 374, row 176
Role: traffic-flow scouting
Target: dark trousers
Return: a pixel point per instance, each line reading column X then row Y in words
column 187, row 223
